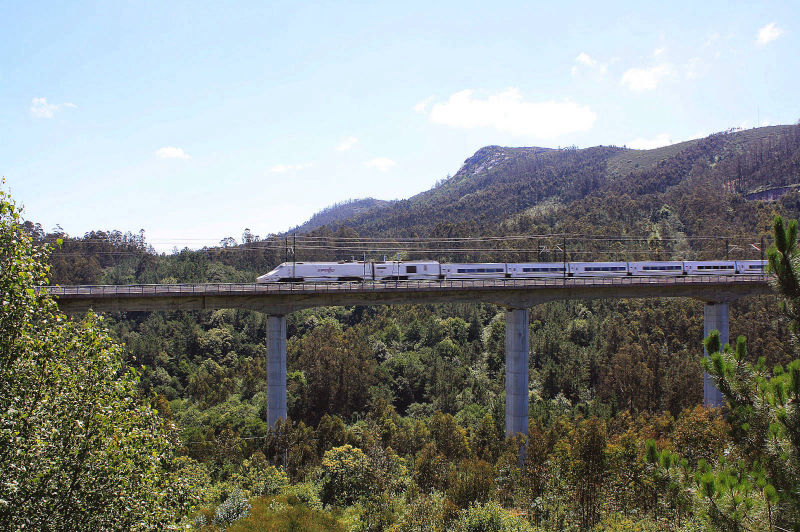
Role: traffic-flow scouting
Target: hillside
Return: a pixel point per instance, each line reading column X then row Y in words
column 498, row 183
column 339, row 212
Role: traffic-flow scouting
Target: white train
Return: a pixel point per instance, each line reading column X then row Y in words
column 432, row 270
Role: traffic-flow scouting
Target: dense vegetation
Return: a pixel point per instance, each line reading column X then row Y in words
column 78, row 451
column 338, row 211
column 396, row 413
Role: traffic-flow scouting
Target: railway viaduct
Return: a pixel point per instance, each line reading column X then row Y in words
column 516, row 295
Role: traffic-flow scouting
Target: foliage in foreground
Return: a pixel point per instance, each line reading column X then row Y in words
column 78, row 451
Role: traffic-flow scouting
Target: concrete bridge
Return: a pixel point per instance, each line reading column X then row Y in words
column 516, row 295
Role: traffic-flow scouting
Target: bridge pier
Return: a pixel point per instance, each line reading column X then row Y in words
column 276, row 368
column 716, row 317
column 517, row 348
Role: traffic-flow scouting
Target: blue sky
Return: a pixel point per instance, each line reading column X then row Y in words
column 194, row 121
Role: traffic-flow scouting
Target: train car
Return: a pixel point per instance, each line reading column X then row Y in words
column 672, row 267
column 419, row 270
column 317, row 271
column 709, row 267
column 485, row 270
column 597, row 269
column 536, row 269
column 432, row 270
column 751, row 266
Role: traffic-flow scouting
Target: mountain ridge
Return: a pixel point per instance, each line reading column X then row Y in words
column 502, row 182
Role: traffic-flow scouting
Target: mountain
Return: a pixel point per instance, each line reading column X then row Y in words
column 338, row 212
column 499, row 183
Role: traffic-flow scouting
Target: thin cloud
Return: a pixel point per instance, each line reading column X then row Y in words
column 644, row 79
column 283, row 168
column 694, row 68
column 712, row 39
column 584, row 60
column 508, row 112
column 422, row 106
column 651, row 143
column 663, row 139
column 171, row 152
column 381, row 164
column 768, row 33
column 347, row 143
column 40, row 108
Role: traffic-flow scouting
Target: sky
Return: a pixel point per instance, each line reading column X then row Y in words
column 194, row 121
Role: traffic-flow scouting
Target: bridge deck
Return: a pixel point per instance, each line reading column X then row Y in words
column 286, row 297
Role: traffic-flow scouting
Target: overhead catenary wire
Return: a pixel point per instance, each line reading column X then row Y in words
column 365, row 240
column 579, row 244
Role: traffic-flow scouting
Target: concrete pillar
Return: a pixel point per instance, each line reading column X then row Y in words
column 715, row 318
column 517, row 371
column 276, row 369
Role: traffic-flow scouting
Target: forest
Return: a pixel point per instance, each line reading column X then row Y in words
column 396, row 414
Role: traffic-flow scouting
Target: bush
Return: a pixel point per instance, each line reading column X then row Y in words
column 426, row 513
column 235, row 507
column 305, row 494
column 347, row 474
column 259, row 477
column 377, row 513
column 490, row 517
column 470, row 482
column 281, row 513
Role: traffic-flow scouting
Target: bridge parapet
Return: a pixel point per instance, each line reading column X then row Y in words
column 279, row 299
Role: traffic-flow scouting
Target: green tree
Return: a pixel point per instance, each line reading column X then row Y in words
column 586, row 467
column 210, row 385
column 764, row 416
column 339, row 369
column 784, row 262
column 430, row 469
column 347, row 474
column 78, row 450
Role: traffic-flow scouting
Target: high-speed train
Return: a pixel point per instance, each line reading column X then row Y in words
column 432, row 270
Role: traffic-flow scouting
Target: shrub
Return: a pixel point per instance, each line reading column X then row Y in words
column 280, row 514
column 347, row 474
column 490, row 517
column 259, row 477
column 305, row 493
column 471, row 481
column 235, row 507
column 425, row 513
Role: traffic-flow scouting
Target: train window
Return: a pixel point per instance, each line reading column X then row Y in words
column 411, row 269
column 660, row 268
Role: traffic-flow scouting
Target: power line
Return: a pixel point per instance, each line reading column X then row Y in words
column 401, row 240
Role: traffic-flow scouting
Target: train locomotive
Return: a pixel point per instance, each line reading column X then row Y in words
column 431, row 270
